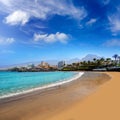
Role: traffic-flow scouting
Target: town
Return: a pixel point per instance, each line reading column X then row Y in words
column 43, row 66
column 101, row 64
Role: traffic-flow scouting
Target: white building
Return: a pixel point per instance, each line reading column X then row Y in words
column 30, row 66
column 44, row 64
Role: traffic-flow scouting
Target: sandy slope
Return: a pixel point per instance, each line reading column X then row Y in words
column 102, row 105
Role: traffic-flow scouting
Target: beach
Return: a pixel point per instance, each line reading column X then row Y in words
column 92, row 96
column 104, row 104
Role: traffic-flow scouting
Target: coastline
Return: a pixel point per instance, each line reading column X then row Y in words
column 44, row 104
column 49, row 86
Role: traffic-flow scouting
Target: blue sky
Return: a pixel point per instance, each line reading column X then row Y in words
column 35, row 30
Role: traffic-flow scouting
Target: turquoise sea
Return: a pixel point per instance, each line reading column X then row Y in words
column 19, row 82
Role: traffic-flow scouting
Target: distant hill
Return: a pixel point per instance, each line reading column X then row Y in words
column 54, row 62
column 90, row 57
column 86, row 58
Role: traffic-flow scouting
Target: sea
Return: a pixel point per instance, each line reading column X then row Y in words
column 15, row 83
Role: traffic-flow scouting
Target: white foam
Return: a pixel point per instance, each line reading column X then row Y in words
column 44, row 87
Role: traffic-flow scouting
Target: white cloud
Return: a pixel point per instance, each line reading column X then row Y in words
column 41, row 9
column 6, row 41
column 114, row 22
column 91, row 21
column 113, row 43
column 17, row 17
column 51, row 38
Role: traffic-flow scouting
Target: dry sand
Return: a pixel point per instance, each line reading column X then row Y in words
column 82, row 99
column 102, row 105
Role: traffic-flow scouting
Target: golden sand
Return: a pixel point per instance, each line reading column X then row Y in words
column 102, row 105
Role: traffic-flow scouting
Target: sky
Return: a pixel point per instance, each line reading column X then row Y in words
column 35, row 30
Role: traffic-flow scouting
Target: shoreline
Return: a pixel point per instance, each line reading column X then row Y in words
column 41, row 105
column 49, row 86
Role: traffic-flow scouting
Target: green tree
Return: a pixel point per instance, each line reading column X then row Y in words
column 108, row 61
column 115, row 56
column 94, row 59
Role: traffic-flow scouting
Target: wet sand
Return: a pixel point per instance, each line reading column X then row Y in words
column 64, row 102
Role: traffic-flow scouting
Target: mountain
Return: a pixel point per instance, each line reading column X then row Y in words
column 54, row 62
column 90, row 57
column 86, row 58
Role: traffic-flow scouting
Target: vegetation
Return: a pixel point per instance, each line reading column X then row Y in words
column 96, row 64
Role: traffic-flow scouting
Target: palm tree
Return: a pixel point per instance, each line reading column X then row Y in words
column 115, row 56
column 108, row 61
column 84, row 62
column 98, row 62
column 94, row 59
column 102, row 60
